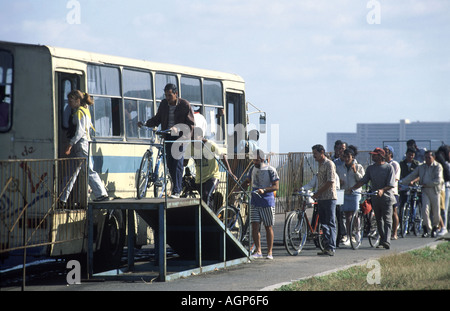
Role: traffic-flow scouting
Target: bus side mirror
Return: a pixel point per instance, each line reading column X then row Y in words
column 262, row 123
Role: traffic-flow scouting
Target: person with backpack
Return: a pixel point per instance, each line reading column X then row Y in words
column 79, row 144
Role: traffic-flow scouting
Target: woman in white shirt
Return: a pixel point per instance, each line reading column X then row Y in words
column 349, row 174
column 79, row 144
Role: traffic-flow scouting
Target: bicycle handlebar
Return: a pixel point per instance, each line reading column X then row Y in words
column 365, row 193
column 157, row 132
column 245, row 192
column 406, row 187
column 304, row 193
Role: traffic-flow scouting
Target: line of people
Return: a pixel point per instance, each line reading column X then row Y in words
column 429, row 169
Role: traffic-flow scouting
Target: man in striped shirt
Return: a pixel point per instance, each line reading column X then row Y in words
column 264, row 180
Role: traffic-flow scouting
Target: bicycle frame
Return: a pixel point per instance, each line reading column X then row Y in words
column 412, row 201
column 148, row 175
column 294, row 236
column 367, row 228
column 315, row 218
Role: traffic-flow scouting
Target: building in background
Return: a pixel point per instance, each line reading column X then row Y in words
column 429, row 135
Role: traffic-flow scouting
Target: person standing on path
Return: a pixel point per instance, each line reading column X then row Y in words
column 326, row 197
column 382, row 178
column 264, row 180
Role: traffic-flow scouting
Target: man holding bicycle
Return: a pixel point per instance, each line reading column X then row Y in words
column 431, row 178
column 264, row 179
column 382, row 178
column 174, row 113
column 326, row 197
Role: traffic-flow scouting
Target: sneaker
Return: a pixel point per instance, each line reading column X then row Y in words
column 443, row 232
column 384, row 245
column 257, row 255
column 433, row 232
column 175, row 196
column 102, row 198
column 269, row 257
column 343, row 239
column 326, row 252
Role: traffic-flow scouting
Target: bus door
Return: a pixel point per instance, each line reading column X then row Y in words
column 236, row 120
column 66, row 83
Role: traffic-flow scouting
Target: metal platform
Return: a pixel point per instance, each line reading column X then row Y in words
column 191, row 229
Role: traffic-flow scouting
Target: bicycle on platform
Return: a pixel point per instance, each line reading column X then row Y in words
column 298, row 229
column 151, row 170
column 363, row 223
column 410, row 216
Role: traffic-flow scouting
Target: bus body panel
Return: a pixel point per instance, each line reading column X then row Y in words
column 38, row 132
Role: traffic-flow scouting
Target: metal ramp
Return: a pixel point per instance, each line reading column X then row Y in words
column 191, row 229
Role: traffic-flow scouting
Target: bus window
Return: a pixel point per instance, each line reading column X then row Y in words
column 66, row 111
column 215, row 119
column 107, row 116
column 66, row 83
column 137, row 91
column 213, row 93
column 191, row 90
column 104, row 86
column 6, row 80
column 214, row 112
column 161, row 80
column 236, row 122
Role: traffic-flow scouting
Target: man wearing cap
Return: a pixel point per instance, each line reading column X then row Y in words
column 382, row 178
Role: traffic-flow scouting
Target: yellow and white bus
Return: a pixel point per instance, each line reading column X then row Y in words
column 35, row 80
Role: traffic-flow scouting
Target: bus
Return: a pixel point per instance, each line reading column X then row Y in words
column 35, row 81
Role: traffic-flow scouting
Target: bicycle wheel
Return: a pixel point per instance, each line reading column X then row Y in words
column 318, row 237
column 373, row 236
column 233, row 220
column 295, row 232
column 356, row 229
column 143, row 175
column 159, row 187
column 404, row 220
column 417, row 229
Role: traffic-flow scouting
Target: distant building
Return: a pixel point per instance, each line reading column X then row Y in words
column 429, row 135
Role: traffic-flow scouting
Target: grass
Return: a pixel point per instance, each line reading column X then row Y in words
column 423, row 269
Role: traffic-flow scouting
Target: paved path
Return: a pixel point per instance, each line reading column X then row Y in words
column 260, row 274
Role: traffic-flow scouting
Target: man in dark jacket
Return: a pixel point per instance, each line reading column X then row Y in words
column 176, row 114
column 408, row 165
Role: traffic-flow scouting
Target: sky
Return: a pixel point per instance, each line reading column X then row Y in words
column 314, row 66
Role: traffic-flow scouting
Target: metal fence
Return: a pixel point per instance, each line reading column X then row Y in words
column 295, row 170
column 30, row 193
column 30, row 211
